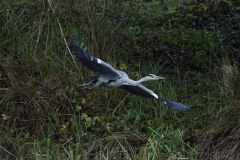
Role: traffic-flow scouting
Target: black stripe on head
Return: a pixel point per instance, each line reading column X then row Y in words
column 151, row 75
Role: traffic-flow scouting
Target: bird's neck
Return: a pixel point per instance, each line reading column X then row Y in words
column 143, row 80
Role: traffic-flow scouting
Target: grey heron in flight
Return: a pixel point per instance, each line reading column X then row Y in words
column 109, row 78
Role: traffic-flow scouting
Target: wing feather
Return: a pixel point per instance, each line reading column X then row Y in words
column 140, row 90
column 93, row 63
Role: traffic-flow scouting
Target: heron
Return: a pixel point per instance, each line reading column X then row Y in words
column 109, row 78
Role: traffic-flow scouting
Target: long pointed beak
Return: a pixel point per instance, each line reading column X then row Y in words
column 160, row 78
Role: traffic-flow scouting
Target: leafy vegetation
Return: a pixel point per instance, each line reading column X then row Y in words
column 43, row 115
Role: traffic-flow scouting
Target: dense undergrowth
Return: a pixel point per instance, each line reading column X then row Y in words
column 194, row 44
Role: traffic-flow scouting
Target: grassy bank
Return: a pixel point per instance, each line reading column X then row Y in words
column 45, row 116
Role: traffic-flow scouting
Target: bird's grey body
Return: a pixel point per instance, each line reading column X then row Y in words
column 109, row 78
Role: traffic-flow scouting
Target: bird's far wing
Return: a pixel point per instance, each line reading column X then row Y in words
column 140, row 90
column 92, row 63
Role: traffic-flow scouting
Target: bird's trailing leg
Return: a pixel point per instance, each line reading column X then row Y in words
column 92, row 79
column 84, row 84
column 90, row 87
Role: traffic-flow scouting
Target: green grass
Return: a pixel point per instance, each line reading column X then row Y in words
column 43, row 115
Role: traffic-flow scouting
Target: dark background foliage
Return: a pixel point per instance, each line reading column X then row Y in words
column 194, row 44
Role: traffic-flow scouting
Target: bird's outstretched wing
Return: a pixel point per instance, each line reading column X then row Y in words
column 140, row 90
column 174, row 105
column 93, row 63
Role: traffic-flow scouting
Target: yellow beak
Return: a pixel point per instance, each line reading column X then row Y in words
column 160, row 78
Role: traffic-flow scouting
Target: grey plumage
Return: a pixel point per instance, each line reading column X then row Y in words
column 109, row 78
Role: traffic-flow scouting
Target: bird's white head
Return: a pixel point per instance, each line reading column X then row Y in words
column 154, row 77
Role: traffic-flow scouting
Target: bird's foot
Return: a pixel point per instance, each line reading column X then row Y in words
column 84, row 84
column 87, row 87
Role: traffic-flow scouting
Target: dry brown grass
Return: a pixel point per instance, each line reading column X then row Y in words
column 229, row 79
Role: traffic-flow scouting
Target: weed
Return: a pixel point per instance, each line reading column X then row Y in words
column 43, row 115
